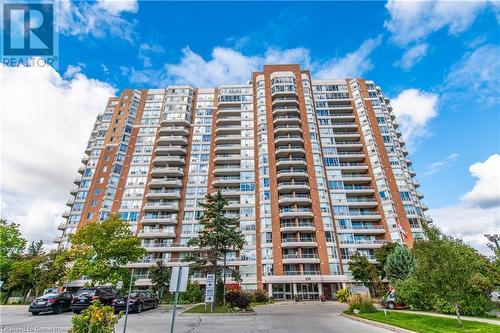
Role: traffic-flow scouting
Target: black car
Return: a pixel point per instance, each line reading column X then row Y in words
column 52, row 302
column 85, row 296
column 139, row 300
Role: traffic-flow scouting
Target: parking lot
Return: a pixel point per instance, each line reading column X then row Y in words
column 280, row 317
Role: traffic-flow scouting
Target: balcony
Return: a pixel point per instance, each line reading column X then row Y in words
column 167, row 171
column 357, row 189
column 163, row 194
column 172, row 159
column 227, row 157
column 301, row 259
column 170, row 149
column 294, row 161
column 77, row 180
column 162, row 219
column 285, row 101
column 156, row 233
column 279, row 110
column 227, row 180
column 295, row 212
column 227, row 120
column 227, row 169
column 170, row 130
column 228, row 148
column 353, row 166
column 297, row 198
column 301, row 226
column 286, row 120
column 66, row 214
column 164, row 206
column 289, row 186
column 298, row 242
column 168, row 140
column 227, row 139
column 165, row 181
column 224, row 129
column 175, row 121
column 286, row 150
column 285, row 129
column 288, row 139
column 288, row 174
column 70, row 202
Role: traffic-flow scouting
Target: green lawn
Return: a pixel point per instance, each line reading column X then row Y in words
column 201, row 309
column 428, row 324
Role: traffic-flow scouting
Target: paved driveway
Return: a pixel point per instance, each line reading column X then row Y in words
column 301, row 317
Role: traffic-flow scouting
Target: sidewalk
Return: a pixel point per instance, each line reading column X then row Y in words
column 478, row 319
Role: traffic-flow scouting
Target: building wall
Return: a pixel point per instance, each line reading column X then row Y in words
column 315, row 171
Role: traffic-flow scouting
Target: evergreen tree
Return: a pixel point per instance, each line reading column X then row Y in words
column 219, row 236
column 399, row 264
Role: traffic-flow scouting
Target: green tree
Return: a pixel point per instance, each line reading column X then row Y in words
column 34, row 273
column 399, row 265
column 11, row 246
column 24, row 275
column 160, row 278
column 35, row 249
column 219, row 236
column 361, row 269
column 101, row 249
column 381, row 255
column 364, row 271
column 450, row 270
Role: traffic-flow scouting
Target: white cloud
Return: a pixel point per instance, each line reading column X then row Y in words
column 145, row 51
column 440, row 165
column 414, row 110
column 227, row 65
column 119, row 6
column 469, row 223
column 476, row 76
column 45, row 126
column 478, row 213
column 486, row 190
column 97, row 19
column 224, row 67
column 352, row 64
column 412, row 56
column 413, row 21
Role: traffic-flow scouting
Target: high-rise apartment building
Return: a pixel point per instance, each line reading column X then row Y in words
column 315, row 171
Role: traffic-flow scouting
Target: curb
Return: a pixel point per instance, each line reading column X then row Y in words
column 377, row 324
column 220, row 314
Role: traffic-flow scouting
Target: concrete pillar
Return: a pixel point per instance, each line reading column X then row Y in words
column 320, row 289
column 294, row 289
column 270, row 290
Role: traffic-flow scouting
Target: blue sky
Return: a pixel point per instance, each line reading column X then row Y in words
column 438, row 61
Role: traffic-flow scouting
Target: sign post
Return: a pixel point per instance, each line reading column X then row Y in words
column 119, row 285
column 178, row 282
column 210, row 290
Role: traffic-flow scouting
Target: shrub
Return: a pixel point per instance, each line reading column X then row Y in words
column 342, row 295
column 363, row 303
column 238, row 299
column 260, row 296
column 97, row 318
column 193, row 294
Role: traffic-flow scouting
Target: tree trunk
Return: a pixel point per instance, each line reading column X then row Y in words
column 455, row 305
column 224, row 279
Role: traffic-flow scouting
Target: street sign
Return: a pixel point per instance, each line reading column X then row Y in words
column 179, row 279
column 210, row 288
column 178, row 282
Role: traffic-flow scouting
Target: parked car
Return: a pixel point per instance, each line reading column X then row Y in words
column 390, row 301
column 139, row 300
column 85, row 296
column 51, row 302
